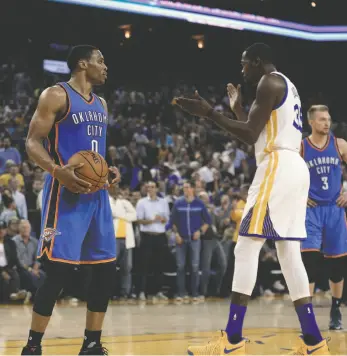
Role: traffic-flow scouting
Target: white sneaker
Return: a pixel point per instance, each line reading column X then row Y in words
column 195, row 300
column 27, row 298
column 178, row 300
column 279, row 286
column 162, row 296
column 202, row 299
column 268, row 293
column 142, row 296
column 186, row 299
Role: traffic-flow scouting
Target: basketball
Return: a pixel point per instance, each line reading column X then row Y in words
column 94, row 171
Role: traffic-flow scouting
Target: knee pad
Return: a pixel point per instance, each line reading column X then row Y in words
column 293, row 269
column 48, row 293
column 336, row 267
column 101, row 286
column 311, row 261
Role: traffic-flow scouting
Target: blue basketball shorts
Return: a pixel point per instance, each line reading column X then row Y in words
column 326, row 230
column 76, row 228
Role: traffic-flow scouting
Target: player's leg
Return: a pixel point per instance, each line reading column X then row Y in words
column 311, row 262
column 294, row 272
column 336, row 268
column 311, row 246
column 45, row 299
column 99, row 250
column 335, row 250
column 60, row 246
column 245, row 274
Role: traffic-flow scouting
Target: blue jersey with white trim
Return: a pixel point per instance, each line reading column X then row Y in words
column 82, row 128
column 325, row 170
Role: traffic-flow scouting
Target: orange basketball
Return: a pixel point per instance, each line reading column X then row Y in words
column 94, row 171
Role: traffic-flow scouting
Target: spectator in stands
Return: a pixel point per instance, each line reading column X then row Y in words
column 153, row 214
column 31, row 275
column 8, row 152
column 223, row 214
column 269, row 283
column 34, row 206
column 9, row 212
column 124, row 214
column 13, row 227
column 18, row 198
column 12, row 171
column 189, row 219
column 211, row 247
column 9, row 278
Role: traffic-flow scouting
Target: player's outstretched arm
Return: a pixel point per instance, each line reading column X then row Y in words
column 270, row 92
column 52, row 103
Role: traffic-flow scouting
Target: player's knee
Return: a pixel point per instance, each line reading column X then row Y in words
column 247, row 248
column 311, row 262
column 46, row 296
column 336, row 269
column 48, row 293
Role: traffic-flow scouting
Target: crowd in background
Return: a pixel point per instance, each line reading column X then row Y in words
column 159, row 150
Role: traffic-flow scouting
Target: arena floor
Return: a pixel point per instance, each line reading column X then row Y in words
column 166, row 329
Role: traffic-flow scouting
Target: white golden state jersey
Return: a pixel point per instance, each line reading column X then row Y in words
column 284, row 129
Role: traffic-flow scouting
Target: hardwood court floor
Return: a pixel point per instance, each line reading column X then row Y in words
column 167, row 329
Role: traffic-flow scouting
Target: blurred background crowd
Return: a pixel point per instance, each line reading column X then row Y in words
column 160, row 152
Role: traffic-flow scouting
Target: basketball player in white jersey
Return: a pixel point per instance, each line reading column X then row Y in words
column 276, row 203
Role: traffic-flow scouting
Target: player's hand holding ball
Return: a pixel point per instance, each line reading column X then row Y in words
column 67, row 177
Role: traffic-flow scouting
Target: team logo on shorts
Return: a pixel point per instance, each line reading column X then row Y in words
column 49, row 233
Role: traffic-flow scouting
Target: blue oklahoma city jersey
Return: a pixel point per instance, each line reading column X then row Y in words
column 325, row 170
column 83, row 128
column 76, row 228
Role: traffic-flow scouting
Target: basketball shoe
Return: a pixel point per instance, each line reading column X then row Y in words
column 318, row 349
column 96, row 349
column 219, row 346
column 32, row 350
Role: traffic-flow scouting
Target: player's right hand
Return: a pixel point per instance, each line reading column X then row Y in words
column 311, row 203
column 67, row 177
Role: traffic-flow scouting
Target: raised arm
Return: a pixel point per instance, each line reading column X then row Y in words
column 52, row 104
column 270, row 92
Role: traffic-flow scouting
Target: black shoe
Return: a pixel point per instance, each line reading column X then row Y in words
column 32, row 350
column 95, row 350
column 335, row 319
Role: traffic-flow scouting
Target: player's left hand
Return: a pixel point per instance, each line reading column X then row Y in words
column 115, row 180
column 342, row 200
column 197, row 106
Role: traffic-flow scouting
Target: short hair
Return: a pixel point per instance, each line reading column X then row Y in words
column 78, row 53
column 191, row 182
column 154, row 182
column 314, row 108
column 261, row 51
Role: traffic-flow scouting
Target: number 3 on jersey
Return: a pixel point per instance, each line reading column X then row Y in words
column 95, row 146
column 297, row 123
column 325, row 185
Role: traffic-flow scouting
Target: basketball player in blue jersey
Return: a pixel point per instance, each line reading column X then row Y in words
column 325, row 220
column 77, row 227
column 277, row 198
